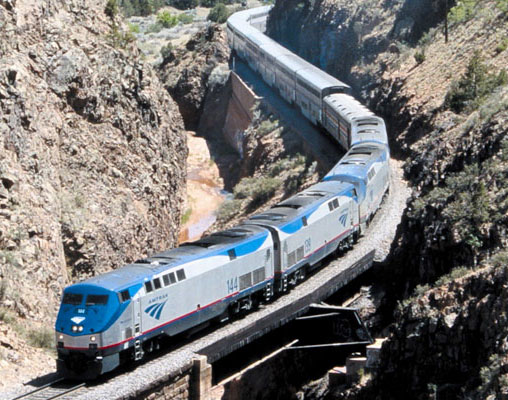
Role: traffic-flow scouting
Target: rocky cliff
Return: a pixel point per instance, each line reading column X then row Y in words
column 398, row 61
column 92, row 156
column 192, row 71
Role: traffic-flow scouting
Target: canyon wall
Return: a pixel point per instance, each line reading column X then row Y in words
column 92, row 154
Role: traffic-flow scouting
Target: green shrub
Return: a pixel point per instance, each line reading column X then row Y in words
column 209, row 3
column 463, row 11
column 166, row 19
column 267, row 126
column 419, row 56
column 185, row 18
column 154, row 28
column 186, row 216
column 257, row 190
column 119, row 39
column 502, row 5
column 140, row 7
column 468, row 92
column 111, row 9
column 133, row 28
column 228, row 210
column 3, row 290
column 219, row 13
column 420, row 290
column 167, row 53
column 184, row 4
column 500, row 259
column 455, row 274
column 42, row 338
column 502, row 46
column 7, row 316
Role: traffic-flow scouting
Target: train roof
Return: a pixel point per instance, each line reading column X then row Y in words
column 257, row 37
column 144, row 269
column 320, row 79
column 274, row 49
column 302, row 204
column 245, row 16
column 367, row 127
column 357, row 162
column 292, row 62
column 348, row 107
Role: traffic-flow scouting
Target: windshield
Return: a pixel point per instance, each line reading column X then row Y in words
column 96, row 299
column 72, row 298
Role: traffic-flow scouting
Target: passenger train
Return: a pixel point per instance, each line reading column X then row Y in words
column 119, row 316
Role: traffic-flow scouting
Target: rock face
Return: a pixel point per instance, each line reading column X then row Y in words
column 92, row 153
column 395, row 56
column 195, row 71
column 447, row 336
column 452, row 341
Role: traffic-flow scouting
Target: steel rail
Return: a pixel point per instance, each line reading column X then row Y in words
column 50, row 391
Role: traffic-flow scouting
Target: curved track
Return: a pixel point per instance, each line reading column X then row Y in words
column 60, row 389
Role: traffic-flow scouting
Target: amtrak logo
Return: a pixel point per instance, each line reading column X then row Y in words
column 77, row 320
column 343, row 219
column 155, row 310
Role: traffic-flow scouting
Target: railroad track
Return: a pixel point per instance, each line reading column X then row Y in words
column 61, row 389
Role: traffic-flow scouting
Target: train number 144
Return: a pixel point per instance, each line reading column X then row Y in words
column 232, row 285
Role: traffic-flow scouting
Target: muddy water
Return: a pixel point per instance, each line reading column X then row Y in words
column 204, row 190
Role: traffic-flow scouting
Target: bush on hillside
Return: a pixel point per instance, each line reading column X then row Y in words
column 219, row 13
column 468, row 92
column 166, row 19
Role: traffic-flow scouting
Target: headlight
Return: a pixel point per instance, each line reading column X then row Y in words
column 92, row 338
column 60, row 337
column 74, row 328
column 80, row 328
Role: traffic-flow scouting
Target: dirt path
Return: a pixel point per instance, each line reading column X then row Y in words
column 203, row 190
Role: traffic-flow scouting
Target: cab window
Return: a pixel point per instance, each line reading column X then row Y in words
column 96, row 299
column 72, row 298
column 125, row 295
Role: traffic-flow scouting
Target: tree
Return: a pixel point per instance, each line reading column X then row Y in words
column 111, row 9
column 473, row 86
column 209, row 3
column 219, row 13
column 185, row 4
column 166, row 19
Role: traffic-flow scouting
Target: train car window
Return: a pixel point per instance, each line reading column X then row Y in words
column 330, row 206
column 72, row 298
column 165, row 279
column 148, row 286
column 335, row 203
column 125, row 295
column 232, row 254
column 172, row 277
column 157, row 283
column 180, row 274
column 304, row 221
column 96, row 299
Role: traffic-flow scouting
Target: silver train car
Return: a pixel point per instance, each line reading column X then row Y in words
column 120, row 316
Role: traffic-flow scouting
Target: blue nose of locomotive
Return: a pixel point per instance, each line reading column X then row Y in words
column 87, row 309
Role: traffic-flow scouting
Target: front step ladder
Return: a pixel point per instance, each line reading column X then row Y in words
column 138, row 350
